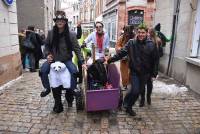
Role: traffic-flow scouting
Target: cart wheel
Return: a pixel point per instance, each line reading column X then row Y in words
column 79, row 99
column 120, row 98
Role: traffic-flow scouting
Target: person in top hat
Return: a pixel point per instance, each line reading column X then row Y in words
column 59, row 45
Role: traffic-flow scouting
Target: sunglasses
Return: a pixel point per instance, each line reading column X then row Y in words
column 60, row 20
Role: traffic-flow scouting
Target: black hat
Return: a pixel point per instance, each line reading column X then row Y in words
column 60, row 15
column 157, row 27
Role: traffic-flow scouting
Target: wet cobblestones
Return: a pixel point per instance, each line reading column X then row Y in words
column 22, row 110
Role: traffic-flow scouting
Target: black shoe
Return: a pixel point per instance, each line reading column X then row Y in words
column 69, row 104
column 32, row 70
column 141, row 104
column 124, row 105
column 130, row 112
column 45, row 93
column 58, row 109
column 69, row 96
column 149, row 100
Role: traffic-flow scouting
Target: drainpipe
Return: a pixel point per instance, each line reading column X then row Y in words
column 174, row 34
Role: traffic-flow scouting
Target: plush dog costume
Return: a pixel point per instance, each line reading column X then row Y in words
column 59, row 75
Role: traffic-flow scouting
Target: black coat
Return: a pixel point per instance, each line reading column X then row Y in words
column 79, row 32
column 143, row 57
column 37, row 41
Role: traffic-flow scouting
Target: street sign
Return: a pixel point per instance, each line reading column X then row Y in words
column 8, row 2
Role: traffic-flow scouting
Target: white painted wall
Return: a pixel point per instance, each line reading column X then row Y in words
column 9, row 29
column 183, row 30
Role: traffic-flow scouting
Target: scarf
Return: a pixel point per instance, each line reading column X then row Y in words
column 100, row 39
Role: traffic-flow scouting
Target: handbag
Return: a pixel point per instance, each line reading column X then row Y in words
column 28, row 44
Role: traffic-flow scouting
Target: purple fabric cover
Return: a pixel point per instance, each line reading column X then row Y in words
column 105, row 99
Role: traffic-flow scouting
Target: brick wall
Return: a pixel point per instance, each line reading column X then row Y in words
column 148, row 14
column 10, row 67
column 121, row 18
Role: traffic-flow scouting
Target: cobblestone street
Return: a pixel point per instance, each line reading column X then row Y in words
column 22, row 110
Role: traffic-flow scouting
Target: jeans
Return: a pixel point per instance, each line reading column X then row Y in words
column 45, row 69
column 137, row 86
column 29, row 61
column 149, row 84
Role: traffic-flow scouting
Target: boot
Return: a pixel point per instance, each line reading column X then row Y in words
column 69, row 96
column 130, row 112
column 149, row 99
column 142, row 102
column 58, row 107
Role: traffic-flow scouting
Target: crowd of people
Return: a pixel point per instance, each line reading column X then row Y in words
column 138, row 49
column 31, row 54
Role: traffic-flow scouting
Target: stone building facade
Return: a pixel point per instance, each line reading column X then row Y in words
column 10, row 61
column 36, row 12
column 71, row 9
column 181, row 20
column 87, row 14
column 118, row 13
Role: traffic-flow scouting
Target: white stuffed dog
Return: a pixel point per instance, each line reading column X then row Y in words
column 59, row 75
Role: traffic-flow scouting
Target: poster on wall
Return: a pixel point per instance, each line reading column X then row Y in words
column 135, row 17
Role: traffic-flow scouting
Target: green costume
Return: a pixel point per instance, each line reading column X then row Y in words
column 84, row 50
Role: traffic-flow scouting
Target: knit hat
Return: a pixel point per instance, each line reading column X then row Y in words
column 60, row 15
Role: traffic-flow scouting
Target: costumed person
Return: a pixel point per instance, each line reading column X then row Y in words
column 163, row 38
column 100, row 39
column 85, row 51
column 124, row 65
column 59, row 45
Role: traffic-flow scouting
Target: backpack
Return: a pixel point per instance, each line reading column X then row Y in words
column 97, row 72
column 28, row 43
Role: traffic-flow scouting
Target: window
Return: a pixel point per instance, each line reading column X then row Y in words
column 85, row 15
column 113, row 37
column 91, row 14
column 74, row 21
column 110, row 28
column 74, row 7
column 195, row 52
column 135, row 17
column 80, row 15
column 77, row 19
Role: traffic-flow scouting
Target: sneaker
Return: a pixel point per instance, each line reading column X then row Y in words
column 27, row 70
column 45, row 93
column 130, row 112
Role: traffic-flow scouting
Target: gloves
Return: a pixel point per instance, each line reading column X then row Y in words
column 83, row 46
